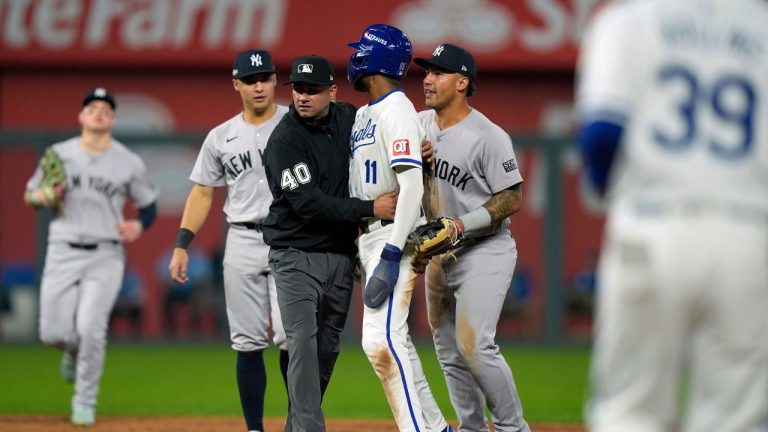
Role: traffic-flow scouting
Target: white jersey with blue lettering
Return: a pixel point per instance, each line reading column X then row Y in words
column 692, row 88
column 387, row 134
column 232, row 156
column 682, row 276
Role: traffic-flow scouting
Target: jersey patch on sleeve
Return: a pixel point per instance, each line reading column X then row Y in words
column 510, row 165
column 400, row 147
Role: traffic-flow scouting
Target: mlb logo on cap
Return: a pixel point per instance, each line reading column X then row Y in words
column 312, row 70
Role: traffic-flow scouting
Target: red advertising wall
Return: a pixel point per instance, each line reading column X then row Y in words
column 169, row 65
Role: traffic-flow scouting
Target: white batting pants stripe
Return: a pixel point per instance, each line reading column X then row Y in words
column 399, row 363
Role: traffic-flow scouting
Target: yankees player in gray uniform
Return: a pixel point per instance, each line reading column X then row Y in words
column 85, row 259
column 231, row 156
column 476, row 182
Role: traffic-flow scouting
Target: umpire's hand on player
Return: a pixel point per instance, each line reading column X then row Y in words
column 130, row 230
column 384, row 277
column 384, row 206
column 178, row 266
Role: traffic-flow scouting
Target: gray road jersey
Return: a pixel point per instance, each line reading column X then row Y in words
column 474, row 160
column 97, row 186
column 232, row 156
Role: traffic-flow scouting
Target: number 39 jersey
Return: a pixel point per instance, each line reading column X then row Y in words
column 692, row 93
column 387, row 133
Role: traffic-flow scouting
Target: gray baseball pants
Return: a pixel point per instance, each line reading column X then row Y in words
column 78, row 290
column 314, row 290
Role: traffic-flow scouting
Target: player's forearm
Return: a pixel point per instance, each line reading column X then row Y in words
column 408, row 205
column 147, row 215
column 500, row 206
column 313, row 203
column 504, row 204
column 197, row 208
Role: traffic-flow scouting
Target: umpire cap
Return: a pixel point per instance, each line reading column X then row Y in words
column 100, row 93
column 312, row 69
column 251, row 62
column 452, row 58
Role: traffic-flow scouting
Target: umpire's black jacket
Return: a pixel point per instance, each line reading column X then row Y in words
column 307, row 167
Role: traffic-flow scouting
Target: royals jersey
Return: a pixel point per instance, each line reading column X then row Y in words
column 97, row 187
column 474, row 160
column 232, row 156
column 386, row 134
column 692, row 93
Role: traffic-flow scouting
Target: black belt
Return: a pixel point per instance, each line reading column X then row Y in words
column 249, row 225
column 89, row 246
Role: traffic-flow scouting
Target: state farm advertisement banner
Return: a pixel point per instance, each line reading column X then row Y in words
column 503, row 34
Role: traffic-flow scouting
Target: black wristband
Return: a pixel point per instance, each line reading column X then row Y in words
column 184, row 238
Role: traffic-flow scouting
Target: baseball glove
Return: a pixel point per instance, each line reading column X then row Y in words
column 436, row 237
column 54, row 180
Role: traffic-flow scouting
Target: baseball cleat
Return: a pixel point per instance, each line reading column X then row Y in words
column 83, row 416
column 68, row 366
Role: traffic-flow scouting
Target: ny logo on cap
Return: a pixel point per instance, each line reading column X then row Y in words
column 305, row 68
column 438, row 51
column 100, row 92
column 256, row 60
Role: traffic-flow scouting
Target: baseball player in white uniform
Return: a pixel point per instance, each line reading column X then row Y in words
column 673, row 97
column 386, row 147
column 231, row 156
column 85, row 259
column 477, row 183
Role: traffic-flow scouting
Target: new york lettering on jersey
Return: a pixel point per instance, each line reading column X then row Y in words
column 452, row 174
column 237, row 164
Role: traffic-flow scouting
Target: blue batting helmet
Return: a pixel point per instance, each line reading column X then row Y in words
column 382, row 49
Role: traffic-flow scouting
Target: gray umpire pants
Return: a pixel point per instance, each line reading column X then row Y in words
column 314, row 290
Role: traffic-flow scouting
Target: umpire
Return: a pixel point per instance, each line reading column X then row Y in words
column 311, row 229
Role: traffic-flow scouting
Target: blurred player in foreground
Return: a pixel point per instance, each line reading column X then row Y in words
column 85, row 260
column 672, row 97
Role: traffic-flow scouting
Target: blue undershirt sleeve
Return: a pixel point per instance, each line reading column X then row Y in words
column 599, row 140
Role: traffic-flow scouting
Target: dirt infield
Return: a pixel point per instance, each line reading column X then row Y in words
column 36, row 423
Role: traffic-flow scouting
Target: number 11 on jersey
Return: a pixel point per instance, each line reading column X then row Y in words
column 370, row 171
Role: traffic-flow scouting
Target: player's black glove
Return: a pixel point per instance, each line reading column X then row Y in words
column 436, row 237
column 384, row 277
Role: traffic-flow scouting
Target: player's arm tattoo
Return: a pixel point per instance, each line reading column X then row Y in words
column 505, row 203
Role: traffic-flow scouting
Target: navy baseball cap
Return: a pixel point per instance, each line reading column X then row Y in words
column 251, row 62
column 100, row 93
column 451, row 58
column 312, row 69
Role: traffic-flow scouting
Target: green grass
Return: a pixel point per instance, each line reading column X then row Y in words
column 188, row 379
